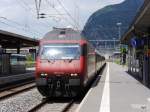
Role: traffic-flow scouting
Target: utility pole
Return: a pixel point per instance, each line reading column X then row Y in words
column 38, row 5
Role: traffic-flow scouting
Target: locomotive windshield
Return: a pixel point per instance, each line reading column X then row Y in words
column 60, row 51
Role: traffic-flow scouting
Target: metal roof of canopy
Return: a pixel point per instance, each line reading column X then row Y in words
column 11, row 40
column 141, row 25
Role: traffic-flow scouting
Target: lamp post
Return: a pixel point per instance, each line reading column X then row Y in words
column 119, row 29
column 119, row 24
column 114, row 42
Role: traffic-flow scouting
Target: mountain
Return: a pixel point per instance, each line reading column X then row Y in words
column 103, row 23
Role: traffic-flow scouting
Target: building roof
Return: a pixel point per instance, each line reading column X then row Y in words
column 12, row 40
column 141, row 25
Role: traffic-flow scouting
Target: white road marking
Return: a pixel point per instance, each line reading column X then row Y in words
column 105, row 102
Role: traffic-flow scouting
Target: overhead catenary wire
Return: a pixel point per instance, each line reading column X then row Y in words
column 27, row 8
column 59, row 13
column 46, row 24
column 67, row 12
column 16, row 27
column 20, row 26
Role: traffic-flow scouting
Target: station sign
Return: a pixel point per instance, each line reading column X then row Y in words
column 135, row 42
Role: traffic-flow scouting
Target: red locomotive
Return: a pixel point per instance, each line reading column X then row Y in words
column 66, row 63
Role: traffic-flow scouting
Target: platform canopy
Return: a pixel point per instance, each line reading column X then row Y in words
column 12, row 40
column 141, row 24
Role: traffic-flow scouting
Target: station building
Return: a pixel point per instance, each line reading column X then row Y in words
column 138, row 40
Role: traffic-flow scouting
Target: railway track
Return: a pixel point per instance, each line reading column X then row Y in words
column 48, row 105
column 13, row 90
column 52, row 106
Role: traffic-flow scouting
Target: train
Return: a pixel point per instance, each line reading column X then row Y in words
column 12, row 64
column 66, row 63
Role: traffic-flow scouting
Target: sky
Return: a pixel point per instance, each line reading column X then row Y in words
column 20, row 16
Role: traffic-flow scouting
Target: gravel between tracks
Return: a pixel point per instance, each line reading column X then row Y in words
column 57, row 107
column 53, row 107
column 22, row 102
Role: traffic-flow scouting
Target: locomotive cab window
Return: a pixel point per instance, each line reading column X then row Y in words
column 60, row 51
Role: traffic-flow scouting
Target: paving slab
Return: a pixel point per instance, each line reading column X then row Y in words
column 116, row 91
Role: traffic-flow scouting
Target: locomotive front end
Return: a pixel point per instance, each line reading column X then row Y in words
column 59, row 69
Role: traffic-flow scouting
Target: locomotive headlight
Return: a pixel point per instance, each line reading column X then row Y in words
column 74, row 74
column 46, row 74
column 43, row 74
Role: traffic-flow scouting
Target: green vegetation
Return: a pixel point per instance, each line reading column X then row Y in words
column 30, row 64
column 30, row 61
column 123, row 50
column 117, row 61
column 29, row 57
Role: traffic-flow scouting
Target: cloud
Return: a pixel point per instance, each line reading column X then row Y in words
column 21, row 14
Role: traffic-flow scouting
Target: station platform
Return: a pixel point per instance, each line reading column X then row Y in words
column 27, row 71
column 116, row 91
column 4, row 80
